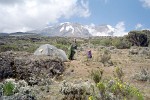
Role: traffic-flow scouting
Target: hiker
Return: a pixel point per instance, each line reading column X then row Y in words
column 89, row 54
column 72, row 50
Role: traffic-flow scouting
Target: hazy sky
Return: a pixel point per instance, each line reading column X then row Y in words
column 23, row 15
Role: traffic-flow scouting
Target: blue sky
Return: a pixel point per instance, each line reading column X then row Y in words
column 131, row 12
column 25, row 15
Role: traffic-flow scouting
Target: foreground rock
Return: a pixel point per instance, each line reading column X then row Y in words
column 33, row 69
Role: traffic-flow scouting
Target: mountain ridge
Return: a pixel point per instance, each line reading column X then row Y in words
column 68, row 29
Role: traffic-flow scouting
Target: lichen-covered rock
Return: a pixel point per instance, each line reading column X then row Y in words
column 22, row 65
column 143, row 75
column 133, row 51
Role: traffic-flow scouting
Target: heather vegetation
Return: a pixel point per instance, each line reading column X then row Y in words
column 114, row 88
column 117, row 70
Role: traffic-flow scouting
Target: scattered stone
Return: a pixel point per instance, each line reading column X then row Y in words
column 133, row 51
column 143, row 75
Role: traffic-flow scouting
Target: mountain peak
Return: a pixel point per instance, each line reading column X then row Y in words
column 65, row 23
column 76, row 30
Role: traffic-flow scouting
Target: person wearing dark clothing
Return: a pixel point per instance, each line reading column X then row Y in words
column 72, row 51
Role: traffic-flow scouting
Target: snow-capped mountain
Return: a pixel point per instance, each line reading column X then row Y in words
column 64, row 29
column 76, row 30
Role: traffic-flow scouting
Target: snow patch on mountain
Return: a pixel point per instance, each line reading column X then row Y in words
column 70, row 28
column 64, row 23
column 78, row 30
column 61, row 29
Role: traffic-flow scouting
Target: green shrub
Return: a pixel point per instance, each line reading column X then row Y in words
column 8, row 88
column 95, row 42
column 92, row 98
column 8, row 47
column 118, row 73
column 121, row 43
column 115, row 89
column 106, row 42
column 31, row 49
column 63, row 47
column 97, row 75
column 105, row 57
column 63, row 41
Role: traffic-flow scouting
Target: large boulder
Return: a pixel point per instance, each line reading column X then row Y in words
column 33, row 69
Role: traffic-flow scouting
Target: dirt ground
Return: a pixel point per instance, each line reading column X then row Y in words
column 80, row 68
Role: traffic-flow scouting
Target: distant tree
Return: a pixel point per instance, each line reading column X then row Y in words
column 137, row 38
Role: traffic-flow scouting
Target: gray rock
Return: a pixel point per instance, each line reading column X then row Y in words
column 133, row 51
column 143, row 75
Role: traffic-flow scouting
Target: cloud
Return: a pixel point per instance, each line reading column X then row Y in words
column 23, row 15
column 120, row 29
column 138, row 26
column 146, row 3
column 10, row 2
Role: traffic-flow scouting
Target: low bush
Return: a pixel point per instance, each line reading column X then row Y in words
column 97, row 75
column 63, row 47
column 142, row 75
column 106, row 42
column 118, row 73
column 105, row 57
column 138, row 38
column 121, row 43
column 8, row 88
column 8, row 47
column 115, row 89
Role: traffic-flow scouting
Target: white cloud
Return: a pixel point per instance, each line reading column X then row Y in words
column 138, row 26
column 22, row 15
column 146, row 3
column 120, row 29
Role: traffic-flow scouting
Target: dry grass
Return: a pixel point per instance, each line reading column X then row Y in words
column 129, row 65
